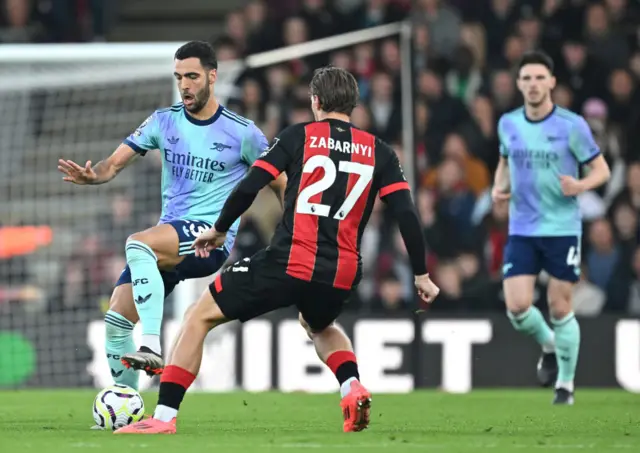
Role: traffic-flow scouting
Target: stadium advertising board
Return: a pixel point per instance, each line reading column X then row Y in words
column 396, row 354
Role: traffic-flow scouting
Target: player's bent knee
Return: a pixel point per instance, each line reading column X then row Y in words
column 518, row 293
column 163, row 241
column 305, row 326
column 138, row 237
column 518, row 306
column 147, row 238
column 559, row 307
column 303, row 323
column 311, row 332
column 319, row 333
column 324, row 329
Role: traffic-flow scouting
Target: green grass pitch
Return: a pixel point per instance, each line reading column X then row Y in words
column 483, row 421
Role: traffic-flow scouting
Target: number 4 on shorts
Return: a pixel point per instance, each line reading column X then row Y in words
column 573, row 257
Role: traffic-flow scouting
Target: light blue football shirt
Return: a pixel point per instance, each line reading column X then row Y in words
column 202, row 160
column 539, row 152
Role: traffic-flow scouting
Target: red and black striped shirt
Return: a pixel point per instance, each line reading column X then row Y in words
column 335, row 171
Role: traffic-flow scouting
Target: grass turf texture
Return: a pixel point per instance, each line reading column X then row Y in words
column 483, row 421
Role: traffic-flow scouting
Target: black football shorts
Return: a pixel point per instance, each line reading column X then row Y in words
column 258, row 285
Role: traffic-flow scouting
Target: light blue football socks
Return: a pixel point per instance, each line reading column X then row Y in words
column 119, row 333
column 532, row 323
column 148, row 291
column 567, row 339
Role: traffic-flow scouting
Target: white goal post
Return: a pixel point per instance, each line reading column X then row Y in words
column 78, row 101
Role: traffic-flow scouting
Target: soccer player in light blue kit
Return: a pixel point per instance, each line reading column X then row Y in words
column 206, row 151
column 542, row 148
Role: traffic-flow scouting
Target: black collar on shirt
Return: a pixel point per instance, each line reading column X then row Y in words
column 337, row 121
column 206, row 122
column 548, row 115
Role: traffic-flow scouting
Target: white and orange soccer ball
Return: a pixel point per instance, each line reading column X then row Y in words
column 117, row 406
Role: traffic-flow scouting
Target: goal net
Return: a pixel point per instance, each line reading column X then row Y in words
column 61, row 245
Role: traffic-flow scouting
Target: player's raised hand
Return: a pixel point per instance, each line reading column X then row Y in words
column 75, row 173
column 498, row 195
column 427, row 290
column 570, row 186
column 207, row 241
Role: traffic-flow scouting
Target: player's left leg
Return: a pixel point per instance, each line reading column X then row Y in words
column 567, row 337
column 119, row 323
column 319, row 308
column 335, row 350
column 562, row 262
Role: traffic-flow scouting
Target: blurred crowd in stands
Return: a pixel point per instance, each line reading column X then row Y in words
column 464, row 57
column 54, row 20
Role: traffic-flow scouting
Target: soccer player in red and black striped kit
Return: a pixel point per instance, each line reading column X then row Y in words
column 335, row 171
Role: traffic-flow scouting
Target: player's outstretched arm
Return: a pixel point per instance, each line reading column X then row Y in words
column 103, row 172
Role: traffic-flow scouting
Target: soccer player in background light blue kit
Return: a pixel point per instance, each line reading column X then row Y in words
column 206, row 151
column 542, row 148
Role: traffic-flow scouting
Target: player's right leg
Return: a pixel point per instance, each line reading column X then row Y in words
column 119, row 321
column 183, row 367
column 521, row 269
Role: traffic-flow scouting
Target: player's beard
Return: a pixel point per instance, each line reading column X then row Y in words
column 536, row 104
column 200, row 98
